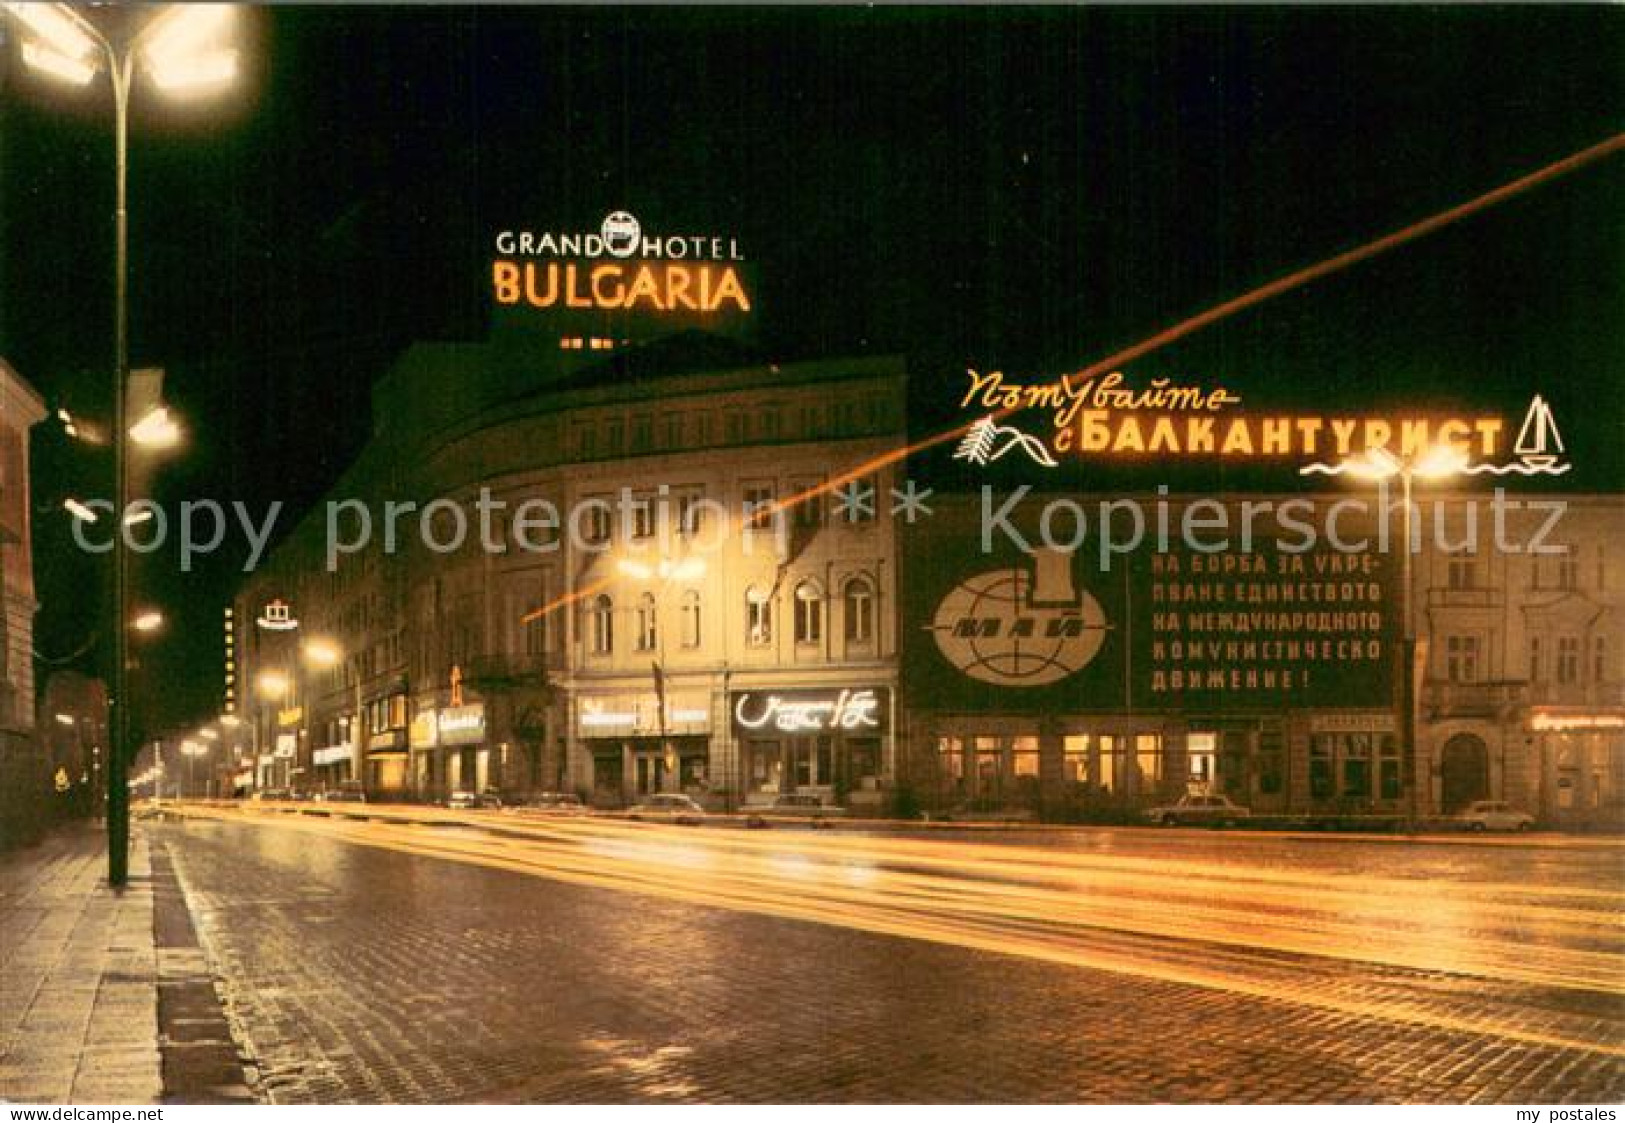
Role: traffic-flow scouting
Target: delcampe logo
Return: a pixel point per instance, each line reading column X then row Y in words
column 1021, row 627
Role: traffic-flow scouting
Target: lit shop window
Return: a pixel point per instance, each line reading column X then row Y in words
column 758, row 617
column 647, row 626
column 859, row 610
column 809, row 613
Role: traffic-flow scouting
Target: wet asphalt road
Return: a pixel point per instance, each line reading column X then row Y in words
column 596, row 960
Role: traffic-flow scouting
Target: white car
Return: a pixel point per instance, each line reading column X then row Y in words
column 1199, row 811
column 668, row 807
column 1494, row 815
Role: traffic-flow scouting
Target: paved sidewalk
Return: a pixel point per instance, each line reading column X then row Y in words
column 78, row 976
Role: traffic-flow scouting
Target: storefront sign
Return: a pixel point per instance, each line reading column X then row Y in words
column 1574, row 722
column 844, row 710
column 462, row 725
column 688, row 713
column 389, row 739
column 1353, row 723
column 332, row 754
column 286, row 746
column 425, row 731
column 277, row 617
column 290, row 717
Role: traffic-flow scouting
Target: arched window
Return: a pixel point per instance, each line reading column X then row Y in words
column 758, row 617
column 809, row 613
column 601, row 626
column 647, row 636
column 858, row 610
column 691, row 619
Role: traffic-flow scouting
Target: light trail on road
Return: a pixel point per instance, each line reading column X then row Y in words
column 1197, row 921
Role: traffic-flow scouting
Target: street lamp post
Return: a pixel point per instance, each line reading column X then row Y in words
column 1440, row 462
column 64, row 44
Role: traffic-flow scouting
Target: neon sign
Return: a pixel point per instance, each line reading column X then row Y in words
column 665, row 273
column 809, row 711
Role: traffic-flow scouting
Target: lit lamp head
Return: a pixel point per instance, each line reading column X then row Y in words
column 183, row 51
column 322, row 652
column 148, row 622
column 272, row 685
column 56, row 45
column 156, row 430
column 1440, row 462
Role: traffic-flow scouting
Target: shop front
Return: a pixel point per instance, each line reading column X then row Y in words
column 1578, row 766
column 634, row 754
column 332, row 765
column 826, row 742
column 422, row 740
column 467, row 759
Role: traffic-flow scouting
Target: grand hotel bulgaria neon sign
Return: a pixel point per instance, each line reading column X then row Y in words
column 619, row 267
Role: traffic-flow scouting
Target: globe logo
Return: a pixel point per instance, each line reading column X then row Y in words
column 995, row 629
column 622, row 234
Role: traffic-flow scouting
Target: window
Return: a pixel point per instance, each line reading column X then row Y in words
column 809, row 613
column 809, row 511
column 691, row 619
column 758, row 505
column 1461, row 658
column 643, row 428
column 1568, row 660
column 1075, row 759
column 1568, row 571
column 1357, row 766
column 1321, row 781
column 770, row 422
column 758, row 617
column 733, row 428
column 614, row 435
column 584, row 437
column 1599, row 659
column 690, row 511
column 601, row 626
column 1535, row 664
column 858, row 610
column 1390, row 776
column 1148, row 761
column 643, row 517
column 598, row 518
column 647, row 635
column 1462, row 573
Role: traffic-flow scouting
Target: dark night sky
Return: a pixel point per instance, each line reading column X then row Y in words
column 1025, row 189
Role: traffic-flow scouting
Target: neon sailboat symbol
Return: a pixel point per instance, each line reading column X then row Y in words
column 1539, row 442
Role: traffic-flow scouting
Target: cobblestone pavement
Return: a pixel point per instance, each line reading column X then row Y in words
column 360, row 974
column 78, row 976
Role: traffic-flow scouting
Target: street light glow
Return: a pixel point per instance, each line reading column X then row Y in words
column 213, row 69
column 60, row 34
column 230, row 721
column 272, row 684
column 148, row 622
column 322, row 652
column 183, row 52
column 156, row 430
column 209, row 734
column 64, row 719
column 57, row 65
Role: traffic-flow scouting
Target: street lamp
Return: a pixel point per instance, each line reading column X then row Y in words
column 1378, row 465
column 148, row 622
column 193, row 750
column 177, row 51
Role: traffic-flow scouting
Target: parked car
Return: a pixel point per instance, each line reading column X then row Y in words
column 1199, row 811
column 794, row 806
column 668, row 807
column 473, row 801
column 1494, row 815
column 556, row 803
column 344, row 793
